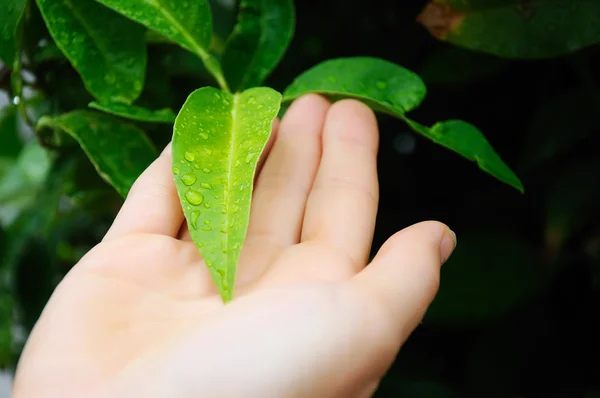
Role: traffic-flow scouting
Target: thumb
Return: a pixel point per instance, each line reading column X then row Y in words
column 404, row 275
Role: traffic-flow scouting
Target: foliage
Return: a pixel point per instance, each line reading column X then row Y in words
column 90, row 89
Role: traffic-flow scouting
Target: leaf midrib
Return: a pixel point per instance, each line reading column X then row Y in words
column 161, row 8
column 230, row 167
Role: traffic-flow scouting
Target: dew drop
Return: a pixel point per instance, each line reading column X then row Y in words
column 194, row 219
column 208, row 151
column 189, row 156
column 207, row 228
column 381, row 85
column 205, row 185
column 237, row 163
column 207, row 205
column 206, row 170
column 188, row 179
column 204, row 136
column 194, row 197
column 175, row 170
column 208, row 263
column 206, row 222
column 250, row 157
column 236, row 209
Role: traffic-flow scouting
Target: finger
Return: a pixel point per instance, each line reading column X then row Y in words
column 342, row 205
column 404, row 275
column 268, row 147
column 184, row 232
column 281, row 190
column 152, row 205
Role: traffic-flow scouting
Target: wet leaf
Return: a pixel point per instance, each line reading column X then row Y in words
column 106, row 49
column 11, row 12
column 119, row 151
column 258, row 42
column 382, row 85
column 391, row 89
column 488, row 275
column 466, row 140
column 135, row 112
column 218, row 138
column 515, row 29
column 188, row 23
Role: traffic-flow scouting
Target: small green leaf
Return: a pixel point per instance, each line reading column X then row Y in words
column 258, row 42
column 11, row 12
column 466, row 140
column 515, row 29
column 217, row 140
column 384, row 86
column 391, row 89
column 106, row 49
column 188, row 23
column 135, row 112
column 119, row 151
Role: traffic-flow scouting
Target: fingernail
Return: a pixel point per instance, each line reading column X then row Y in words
column 448, row 245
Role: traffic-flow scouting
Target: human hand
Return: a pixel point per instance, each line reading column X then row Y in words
column 139, row 315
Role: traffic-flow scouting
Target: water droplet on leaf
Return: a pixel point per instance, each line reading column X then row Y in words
column 188, row 179
column 175, row 170
column 206, row 170
column 189, row 156
column 194, row 197
column 194, row 219
column 205, row 185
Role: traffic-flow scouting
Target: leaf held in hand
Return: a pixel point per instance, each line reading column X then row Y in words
column 217, row 140
column 258, row 42
column 515, row 29
column 135, row 112
column 106, row 49
column 119, row 151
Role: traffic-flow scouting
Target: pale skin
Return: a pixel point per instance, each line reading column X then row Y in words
column 139, row 315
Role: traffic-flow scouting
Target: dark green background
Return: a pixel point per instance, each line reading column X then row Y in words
column 517, row 314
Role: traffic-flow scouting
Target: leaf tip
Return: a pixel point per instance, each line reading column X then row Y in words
column 440, row 19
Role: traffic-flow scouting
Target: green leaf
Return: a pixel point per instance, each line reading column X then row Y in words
column 135, row 112
column 106, row 49
column 259, row 40
column 188, row 23
column 466, row 140
column 119, row 151
column 11, row 12
column 384, row 86
column 20, row 183
column 488, row 275
column 515, row 29
column 391, row 89
column 218, row 138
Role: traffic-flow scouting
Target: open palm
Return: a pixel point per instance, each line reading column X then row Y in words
column 139, row 315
